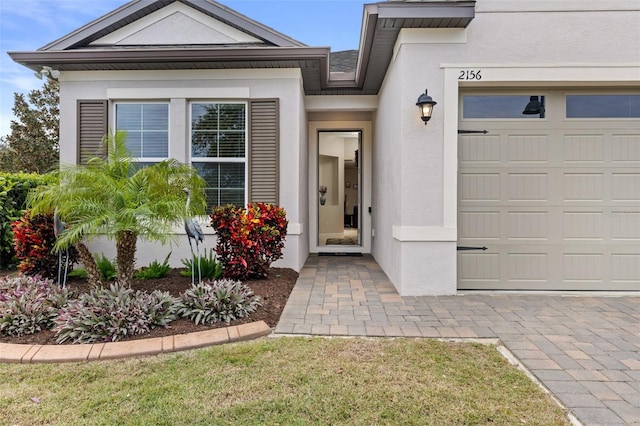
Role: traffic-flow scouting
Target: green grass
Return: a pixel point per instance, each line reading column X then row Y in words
column 286, row 381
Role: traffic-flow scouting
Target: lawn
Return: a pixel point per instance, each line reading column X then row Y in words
column 283, row 381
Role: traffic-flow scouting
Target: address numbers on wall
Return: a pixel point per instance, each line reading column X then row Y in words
column 468, row 75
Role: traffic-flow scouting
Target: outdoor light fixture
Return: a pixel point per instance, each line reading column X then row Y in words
column 425, row 104
column 47, row 71
column 535, row 106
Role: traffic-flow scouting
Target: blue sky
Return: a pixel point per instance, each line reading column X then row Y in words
column 27, row 25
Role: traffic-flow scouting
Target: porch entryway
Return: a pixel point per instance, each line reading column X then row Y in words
column 340, row 187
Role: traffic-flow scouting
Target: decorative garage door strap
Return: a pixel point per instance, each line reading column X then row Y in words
column 467, row 248
column 464, row 132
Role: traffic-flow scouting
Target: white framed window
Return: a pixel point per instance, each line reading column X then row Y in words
column 147, row 128
column 219, row 150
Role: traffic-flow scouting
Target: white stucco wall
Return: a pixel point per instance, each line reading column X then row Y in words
column 180, row 87
column 387, row 181
column 415, row 182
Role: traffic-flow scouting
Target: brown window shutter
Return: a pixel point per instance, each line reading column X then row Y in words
column 92, row 128
column 264, row 153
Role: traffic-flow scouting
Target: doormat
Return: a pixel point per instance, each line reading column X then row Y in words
column 341, row 254
column 347, row 241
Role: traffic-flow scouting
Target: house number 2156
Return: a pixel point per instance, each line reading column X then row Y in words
column 470, row 75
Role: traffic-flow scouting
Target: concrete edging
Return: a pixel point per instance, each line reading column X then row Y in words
column 31, row 354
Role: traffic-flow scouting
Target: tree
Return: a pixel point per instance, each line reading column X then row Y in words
column 33, row 145
column 116, row 198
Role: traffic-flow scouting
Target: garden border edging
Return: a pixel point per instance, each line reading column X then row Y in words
column 31, row 354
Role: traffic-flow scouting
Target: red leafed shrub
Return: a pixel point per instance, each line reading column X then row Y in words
column 250, row 239
column 33, row 241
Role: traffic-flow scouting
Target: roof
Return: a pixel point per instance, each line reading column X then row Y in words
column 358, row 72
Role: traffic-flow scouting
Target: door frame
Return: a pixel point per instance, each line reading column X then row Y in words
column 315, row 128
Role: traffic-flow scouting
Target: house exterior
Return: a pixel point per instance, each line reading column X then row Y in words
column 482, row 197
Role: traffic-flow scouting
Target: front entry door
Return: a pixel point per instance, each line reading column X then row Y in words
column 339, row 189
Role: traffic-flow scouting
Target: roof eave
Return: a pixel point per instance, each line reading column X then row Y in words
column 177, row 58
column 60, row 58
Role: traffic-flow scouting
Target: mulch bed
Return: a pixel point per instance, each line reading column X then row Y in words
column 273, row 291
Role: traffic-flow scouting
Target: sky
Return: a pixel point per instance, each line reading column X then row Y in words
column 27, row 25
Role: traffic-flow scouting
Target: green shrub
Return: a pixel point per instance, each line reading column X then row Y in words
column 154, row 270
column 13, row 193
column 217, row 301
column 111, row 314
column 107, row 267
column 210, row 267
column 29, row 304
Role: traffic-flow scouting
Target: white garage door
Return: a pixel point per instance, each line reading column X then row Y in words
column 554, row 197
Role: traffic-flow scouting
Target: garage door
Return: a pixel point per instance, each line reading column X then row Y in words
column 554, row 195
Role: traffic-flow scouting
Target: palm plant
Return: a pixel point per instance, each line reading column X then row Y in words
column 116, row 198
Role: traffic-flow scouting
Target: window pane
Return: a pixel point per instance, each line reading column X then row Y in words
column 156, row 144
column 155, row 117
column 232, row 175
column 134, row 143
column 502, row 106
column 204, row 116
column 225, row 182
column 231, row 117
column 204, row 144
column 209, row 172
column 231, row 144
column 231, row 196
column 603, row 106
column 128, row 116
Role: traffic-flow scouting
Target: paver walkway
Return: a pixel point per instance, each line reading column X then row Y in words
column 584, row 349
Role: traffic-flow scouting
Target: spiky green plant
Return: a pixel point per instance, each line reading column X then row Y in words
column 154, row 270
column 209, row 266
column 106, row 266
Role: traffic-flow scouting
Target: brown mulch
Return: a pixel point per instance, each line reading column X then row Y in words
column 273, row 291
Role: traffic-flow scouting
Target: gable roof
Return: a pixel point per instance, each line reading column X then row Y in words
column 137, row 9
column 264, row 47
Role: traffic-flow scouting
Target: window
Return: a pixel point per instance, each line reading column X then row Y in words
column 497, row 106
column 603, row 106
column 219, row 150
column 147, row 129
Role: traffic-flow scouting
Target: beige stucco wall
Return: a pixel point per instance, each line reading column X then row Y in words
column 178, row 88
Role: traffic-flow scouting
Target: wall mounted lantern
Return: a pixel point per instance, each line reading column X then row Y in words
column 425, row 104
column 535, row 106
